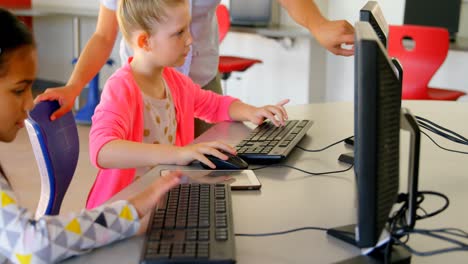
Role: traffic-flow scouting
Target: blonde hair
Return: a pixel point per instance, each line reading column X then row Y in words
column 135, row 15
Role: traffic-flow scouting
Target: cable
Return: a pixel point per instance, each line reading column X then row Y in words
column 442, row 134
column 432, row 233
column 451, row 150
column 445, row 206
column 282, row 232
column 304, row 171
column 324, row 148
column 399, row 230
column 427, row 122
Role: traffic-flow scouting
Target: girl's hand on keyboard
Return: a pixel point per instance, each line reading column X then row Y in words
column 276, row 113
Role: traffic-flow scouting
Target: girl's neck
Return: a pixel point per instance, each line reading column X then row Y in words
column 148, row 77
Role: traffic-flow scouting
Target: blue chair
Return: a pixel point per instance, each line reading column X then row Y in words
column 56, row 148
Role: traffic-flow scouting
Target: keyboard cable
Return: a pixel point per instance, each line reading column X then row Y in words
column 311, row 150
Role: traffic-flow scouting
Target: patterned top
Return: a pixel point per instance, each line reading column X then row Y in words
column 160, row 124
column 53, row 238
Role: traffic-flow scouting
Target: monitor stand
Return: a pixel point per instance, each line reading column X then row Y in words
column 398, row 255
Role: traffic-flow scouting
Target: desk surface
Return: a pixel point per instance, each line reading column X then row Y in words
column 290, row 199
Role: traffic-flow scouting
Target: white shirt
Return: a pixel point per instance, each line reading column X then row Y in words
column 201, row 64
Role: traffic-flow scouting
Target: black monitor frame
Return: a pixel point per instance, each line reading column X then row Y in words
column 378, row 118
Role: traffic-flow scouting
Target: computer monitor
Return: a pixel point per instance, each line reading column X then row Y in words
column 250, row 13
column 435, row 13
column 377, row 131
column 372, row 13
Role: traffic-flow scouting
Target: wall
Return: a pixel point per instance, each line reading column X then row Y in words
column 54, row 35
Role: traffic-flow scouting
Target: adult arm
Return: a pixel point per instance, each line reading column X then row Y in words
column 90, row 62
column 330, row 34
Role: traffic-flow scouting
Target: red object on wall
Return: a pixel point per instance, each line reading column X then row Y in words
column 18, row 4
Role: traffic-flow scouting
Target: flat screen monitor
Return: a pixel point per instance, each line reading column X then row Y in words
column 377, row 133
column 377, row 111
column 250, row 13
column 434, row 13
column 372, row 13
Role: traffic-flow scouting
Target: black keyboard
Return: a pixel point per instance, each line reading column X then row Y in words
column 268, row 144
column 192, row 224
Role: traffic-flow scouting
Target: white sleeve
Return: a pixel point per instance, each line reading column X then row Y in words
column 110, row 4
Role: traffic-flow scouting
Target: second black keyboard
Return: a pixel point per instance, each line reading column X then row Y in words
column 192, row 224
column 268, row 144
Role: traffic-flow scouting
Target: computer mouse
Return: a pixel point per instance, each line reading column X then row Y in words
column 232, row 163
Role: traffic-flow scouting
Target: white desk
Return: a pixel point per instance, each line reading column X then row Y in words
column 290, row 199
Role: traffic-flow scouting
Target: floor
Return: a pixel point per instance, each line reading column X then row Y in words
column 17, row 159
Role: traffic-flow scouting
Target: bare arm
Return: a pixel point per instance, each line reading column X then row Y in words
column 92, row 58
column 330, row 34
column 121, row 154
column 96, row 51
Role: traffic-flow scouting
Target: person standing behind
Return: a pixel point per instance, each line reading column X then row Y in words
column 201, row 64
column 49, row 239
column 146, row 113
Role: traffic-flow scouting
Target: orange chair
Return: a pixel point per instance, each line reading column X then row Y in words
column 229, row 64
column 420, row 63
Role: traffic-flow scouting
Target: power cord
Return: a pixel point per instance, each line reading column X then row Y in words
column 444, row 148
column 437, row 234
column 324, row 148
column 400, row 232
column 282, row 232
column 441, row 131
column 304, row 171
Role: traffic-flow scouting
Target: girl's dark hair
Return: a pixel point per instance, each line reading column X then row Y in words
column 13, row 35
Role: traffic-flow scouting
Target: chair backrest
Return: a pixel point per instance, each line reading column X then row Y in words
column 224, row 21
column 420, row 63
column 56, row 148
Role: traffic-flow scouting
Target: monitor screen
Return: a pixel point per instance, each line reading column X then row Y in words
column 250, row 13
column 377, row 133
column 435, row 13
column 372, row 13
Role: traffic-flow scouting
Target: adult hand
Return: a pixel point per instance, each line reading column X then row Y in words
column 276, row 113
column 332, row 34
column 65, row 95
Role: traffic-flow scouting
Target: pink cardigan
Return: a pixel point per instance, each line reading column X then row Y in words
column 119, row 115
